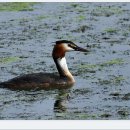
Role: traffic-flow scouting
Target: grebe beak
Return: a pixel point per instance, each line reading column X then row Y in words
column 77, row 48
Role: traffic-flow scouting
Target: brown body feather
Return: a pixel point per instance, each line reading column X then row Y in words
column 37, row 81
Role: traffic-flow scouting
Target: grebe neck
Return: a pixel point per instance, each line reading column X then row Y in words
column 63, row 68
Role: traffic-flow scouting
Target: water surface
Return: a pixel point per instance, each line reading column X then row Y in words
column 102, row 88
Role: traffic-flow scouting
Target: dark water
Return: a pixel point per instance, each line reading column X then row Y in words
column 102, row 89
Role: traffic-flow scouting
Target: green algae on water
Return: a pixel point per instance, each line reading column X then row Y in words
column 8, row 60
column 41, row 17
column 110, row 30
column 113, row 62
column 16, row 6
column 107, row 11
column 113, row 81
column 107, row 63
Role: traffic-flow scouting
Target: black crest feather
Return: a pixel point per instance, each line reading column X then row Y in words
column 63, row 41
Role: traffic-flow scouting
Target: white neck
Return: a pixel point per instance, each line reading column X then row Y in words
column 62, row 65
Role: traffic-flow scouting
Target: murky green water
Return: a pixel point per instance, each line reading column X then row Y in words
column 102, row 89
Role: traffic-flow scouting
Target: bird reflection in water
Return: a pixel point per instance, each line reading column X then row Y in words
column 61, row 100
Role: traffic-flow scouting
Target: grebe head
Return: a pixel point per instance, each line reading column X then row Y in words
column 63, row 46
column 59, row 50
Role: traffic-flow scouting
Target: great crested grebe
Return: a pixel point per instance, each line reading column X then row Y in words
column 48, row 80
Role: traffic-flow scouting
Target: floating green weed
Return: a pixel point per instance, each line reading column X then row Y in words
column 114, row 80
column 16, row 6
column 110, row 30
column 81, row 17
column 78, row 7
column 76, row 115
column 125, row 33
column 112, row 62
column 100, row 65
column 82, row 28
column 112, row 9
column 88, row 66
column 42, row 17
column 118, row 79
column 123, row 113
column 107, row 10
column 9, row 59
column 105, row 115
column 74, row 5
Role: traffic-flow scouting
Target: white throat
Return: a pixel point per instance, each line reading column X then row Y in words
column 62, row 63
